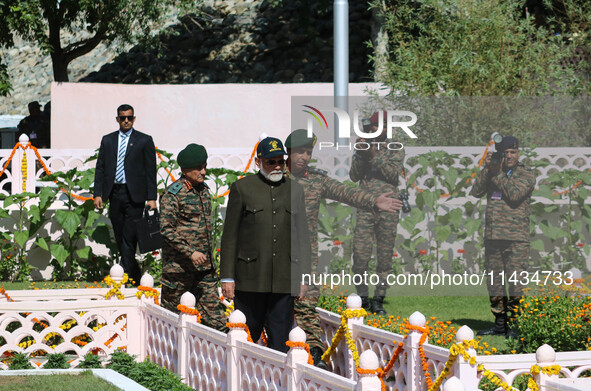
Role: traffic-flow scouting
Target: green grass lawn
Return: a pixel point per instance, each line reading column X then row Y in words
column 83, row 381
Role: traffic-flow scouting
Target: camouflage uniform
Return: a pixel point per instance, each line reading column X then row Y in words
column 506, row 233
column 376, row 175
column 186, row 228
column 317, row 186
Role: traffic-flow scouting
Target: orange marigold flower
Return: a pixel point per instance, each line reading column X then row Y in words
column 337, row 242
column 395, row 254
column 422, row 252
column 580, row 244
column 461, row 251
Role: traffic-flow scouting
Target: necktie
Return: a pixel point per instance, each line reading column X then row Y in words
column 120, row 171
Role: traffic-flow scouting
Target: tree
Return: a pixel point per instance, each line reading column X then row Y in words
column 5, row 42
column 488, row 47
column 44, row 21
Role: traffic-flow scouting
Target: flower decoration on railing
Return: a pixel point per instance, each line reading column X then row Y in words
column 303, row 345
column 115, row 287
column 3, row 293
column 148, row 292
column 378, row 371
column 24, row 169
column 191, row 311
column 241, row 326
column 344, row 331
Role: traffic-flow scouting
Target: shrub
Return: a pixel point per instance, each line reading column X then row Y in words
column 56, row 361
column 91, row 361
column 554, row 317
column 20, row 361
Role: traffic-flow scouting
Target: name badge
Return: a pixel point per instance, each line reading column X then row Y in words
column 496, row 195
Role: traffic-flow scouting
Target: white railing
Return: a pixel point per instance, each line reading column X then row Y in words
column 337, row 163
column 208, row 359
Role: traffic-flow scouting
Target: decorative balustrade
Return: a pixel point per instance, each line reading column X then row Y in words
column 79, row 321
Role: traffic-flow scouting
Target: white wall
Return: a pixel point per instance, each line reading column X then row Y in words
column 215, row 115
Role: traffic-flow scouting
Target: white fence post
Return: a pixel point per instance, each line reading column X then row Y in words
column 353, row 303
column 295, row 355
column 17, row 171
column 368, row 382
column 413, row 361
column 234, row 335
column 147, row 281
column 465, row 373
column 188, row 300
column 545, row 356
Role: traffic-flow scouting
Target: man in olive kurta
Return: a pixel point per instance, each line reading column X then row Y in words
column 186, row 250
column 318, row 186
column 265, row 246
column 508, row 186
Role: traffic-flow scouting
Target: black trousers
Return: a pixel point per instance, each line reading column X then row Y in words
column 272, row 310
column 122, row 212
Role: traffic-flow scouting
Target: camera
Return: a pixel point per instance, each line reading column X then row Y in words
column 403, row 196
column 499, row 154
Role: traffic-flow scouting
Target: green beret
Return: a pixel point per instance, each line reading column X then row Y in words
column 192, row 156
column 299, row 138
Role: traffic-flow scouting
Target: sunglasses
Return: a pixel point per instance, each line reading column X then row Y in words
column 126, row 117
column 273, row 162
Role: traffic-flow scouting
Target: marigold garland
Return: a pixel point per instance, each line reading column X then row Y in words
column 240, row 326
column 148, row 292
column 115, row 286
column 3, row 293
column 24, row 170
column 304, row 345
column 191, row 311
column 378, row 371
column 344, row 330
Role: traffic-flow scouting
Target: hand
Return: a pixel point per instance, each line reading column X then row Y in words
column 228, row 290
column 303, row 290
column 152, row 204
column 98, row 202
column 493, row 168
column 387, row 204
column 198, row 258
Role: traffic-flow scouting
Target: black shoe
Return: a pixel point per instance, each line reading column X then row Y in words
column 500, row 327
column 365, row 303
column 377, row 305
column 316, row 354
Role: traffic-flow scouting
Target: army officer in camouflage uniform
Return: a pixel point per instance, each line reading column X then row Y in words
column 508, row 186
column 317, row 186
column 377, row 170
column 187, row 263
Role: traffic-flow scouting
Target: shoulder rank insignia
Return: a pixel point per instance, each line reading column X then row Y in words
column 317, row 171
column 175, row 187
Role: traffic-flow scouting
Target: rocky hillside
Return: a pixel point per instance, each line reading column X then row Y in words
column 231, row 41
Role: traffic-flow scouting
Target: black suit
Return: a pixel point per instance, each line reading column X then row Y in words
column 126, row 201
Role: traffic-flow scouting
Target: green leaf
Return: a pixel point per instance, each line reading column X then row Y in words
column 21, row 238
column 84, row 252
column 41, row 242
column 537, row 245
column 69, row 220
column 442, row 232
column 59, row 252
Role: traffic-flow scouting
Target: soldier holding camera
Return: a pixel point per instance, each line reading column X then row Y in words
column 508, row 186
column 377, row 170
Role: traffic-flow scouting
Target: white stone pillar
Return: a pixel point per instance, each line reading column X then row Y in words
column 414, row 373
column 295, row 355
column 147, row 281
column 545, row 357
column 234, row 335
column 466, row 373
column 17, row 165
column 188, row 300
column 353, row 303
column 368, row 382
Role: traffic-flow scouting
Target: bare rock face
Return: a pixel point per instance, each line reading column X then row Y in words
column 230, row 41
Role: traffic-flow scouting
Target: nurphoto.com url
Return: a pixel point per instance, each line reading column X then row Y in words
column 434, row 280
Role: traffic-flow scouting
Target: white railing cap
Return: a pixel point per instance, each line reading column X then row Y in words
column 147, row 281
column 368, row 360
column 297, row 335
column 417, row 319
column 454, row 384
column 354, row 301
column 237, row 316
column 188, row 300
column 116, row 272
column 464, row 333
column 545, row 354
